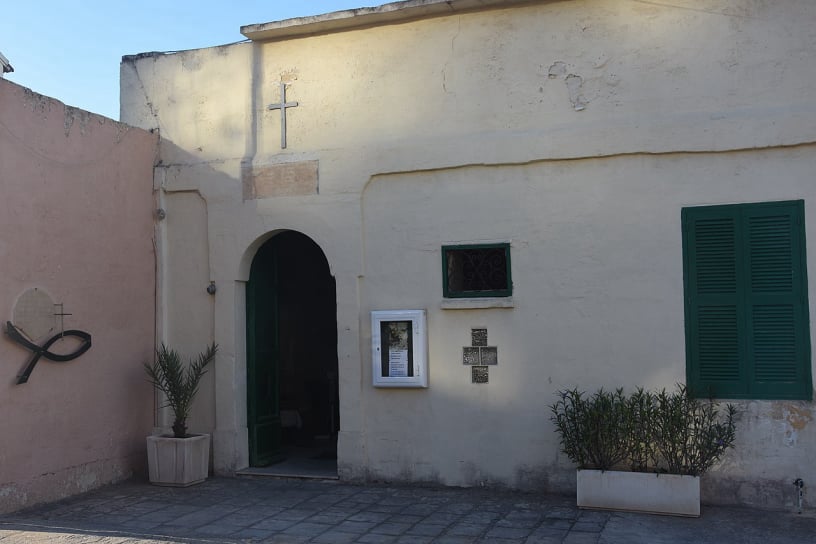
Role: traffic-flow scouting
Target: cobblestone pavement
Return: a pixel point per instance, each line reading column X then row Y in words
column 294, row 512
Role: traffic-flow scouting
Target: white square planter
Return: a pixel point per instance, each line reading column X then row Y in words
column 639, row 492
column 178, row 462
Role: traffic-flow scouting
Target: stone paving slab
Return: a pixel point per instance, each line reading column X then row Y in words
column 234, row 510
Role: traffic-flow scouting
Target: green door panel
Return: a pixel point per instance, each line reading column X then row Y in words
column 263, row 413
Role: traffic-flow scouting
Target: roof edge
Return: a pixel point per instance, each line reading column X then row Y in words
column 5, row 65
column 395, row 12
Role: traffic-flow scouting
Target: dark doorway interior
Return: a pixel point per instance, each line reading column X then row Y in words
column 292, row 384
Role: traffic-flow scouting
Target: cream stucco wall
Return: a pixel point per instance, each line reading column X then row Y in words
column 575, row 130
column 77, row 223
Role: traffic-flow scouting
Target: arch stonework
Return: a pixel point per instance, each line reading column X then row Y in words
column 230, row 436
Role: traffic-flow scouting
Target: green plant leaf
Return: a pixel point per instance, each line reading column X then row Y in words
column 179, row 381
column 663, row 432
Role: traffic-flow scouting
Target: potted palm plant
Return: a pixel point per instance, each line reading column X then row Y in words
column 643, row 452
column 180, row 459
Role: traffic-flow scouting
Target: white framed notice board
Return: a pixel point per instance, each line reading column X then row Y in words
column 399, row 348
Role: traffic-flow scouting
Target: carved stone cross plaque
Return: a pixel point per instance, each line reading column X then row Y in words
column 479, row 356
column 282, row 105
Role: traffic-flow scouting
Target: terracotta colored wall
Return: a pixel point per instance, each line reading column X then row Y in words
column 76, row 220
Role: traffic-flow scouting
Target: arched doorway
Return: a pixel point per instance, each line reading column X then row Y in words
column 292, row 388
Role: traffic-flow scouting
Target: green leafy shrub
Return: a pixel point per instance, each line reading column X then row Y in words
column 178, row 381
column 640, row 407
column 593, row 429
column 648, row 432
column 688, row 434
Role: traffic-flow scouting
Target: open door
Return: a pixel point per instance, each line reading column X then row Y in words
column 292, row 386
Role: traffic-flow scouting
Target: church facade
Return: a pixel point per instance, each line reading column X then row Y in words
column 407, row 227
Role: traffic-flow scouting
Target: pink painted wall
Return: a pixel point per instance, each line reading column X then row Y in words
column 76, row 220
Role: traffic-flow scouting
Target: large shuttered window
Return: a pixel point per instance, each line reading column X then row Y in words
column 747, row 332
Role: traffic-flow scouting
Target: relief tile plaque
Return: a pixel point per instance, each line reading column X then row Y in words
column 478, row 337
column 479, row 374
column 489, row 355
column 470, row 356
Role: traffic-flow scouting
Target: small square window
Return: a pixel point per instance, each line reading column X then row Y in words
column 479, row 270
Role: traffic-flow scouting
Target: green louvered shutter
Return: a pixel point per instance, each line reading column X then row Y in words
column 776, row 301
column 713, row 303
column 747, row 332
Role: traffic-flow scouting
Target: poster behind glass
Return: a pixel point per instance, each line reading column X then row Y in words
column 397, row 348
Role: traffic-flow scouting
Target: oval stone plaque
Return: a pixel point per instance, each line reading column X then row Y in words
column 34, row 314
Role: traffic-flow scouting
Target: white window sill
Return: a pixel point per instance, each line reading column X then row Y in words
column 477, row 303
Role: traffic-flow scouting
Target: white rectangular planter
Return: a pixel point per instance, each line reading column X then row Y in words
column 639, row 492
column 178, row 462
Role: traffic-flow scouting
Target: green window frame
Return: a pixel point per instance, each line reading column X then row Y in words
column 476, row 271
column 746, row 304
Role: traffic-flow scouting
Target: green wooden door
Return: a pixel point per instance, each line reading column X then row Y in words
column 263, row 387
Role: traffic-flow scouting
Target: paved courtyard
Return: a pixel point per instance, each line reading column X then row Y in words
column 297, row 511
